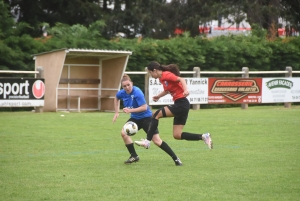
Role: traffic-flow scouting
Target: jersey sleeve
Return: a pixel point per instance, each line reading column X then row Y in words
column 168, row 76
column 119, row 95
column 140, row 98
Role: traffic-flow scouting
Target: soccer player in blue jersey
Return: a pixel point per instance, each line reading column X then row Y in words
column 134, row 103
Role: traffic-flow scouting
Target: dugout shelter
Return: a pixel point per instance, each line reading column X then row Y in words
column 81, row 79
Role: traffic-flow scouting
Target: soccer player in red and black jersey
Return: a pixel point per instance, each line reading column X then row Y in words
column 169, row 77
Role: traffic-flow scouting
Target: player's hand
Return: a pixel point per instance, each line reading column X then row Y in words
column 126, row 110
column 155, row 98
column 186, row 93
column 115, row 117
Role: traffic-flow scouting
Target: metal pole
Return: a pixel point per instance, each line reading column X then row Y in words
column 245, row 75
column 196, row 74
column 288, row 74
column 147, row 87
column 39, row 75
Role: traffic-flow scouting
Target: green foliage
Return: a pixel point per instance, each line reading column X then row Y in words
column 152, row 18
column 76, row 31
column 257, row 31
column 222, row 53
column 76, row 36
column 285, row 53
column 225, row 53
column 16, row 52
column 6, row 22
column 234, row 52
column 73, row 12
column 89, row 24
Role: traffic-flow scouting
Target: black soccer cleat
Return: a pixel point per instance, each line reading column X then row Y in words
column 178, row 162
column 132, row 159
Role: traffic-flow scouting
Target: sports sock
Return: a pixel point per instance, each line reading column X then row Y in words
column 131, row 149
column 191, row 136
column 164, row 146
column 152, row 128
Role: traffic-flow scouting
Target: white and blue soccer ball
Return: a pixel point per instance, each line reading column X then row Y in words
column 130, row 128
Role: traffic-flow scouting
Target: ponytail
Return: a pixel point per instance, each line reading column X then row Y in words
column 173, row 68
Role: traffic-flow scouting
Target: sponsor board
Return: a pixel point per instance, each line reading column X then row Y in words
column 280, row 90
column 234, row 90
column 198, row 88
column 21, row 92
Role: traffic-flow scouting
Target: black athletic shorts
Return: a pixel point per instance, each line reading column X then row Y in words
column 180, row 110
column 143, row 123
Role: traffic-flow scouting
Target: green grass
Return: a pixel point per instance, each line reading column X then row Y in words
column 256, row 156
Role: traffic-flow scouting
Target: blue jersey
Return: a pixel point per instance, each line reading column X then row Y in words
column 134, row 100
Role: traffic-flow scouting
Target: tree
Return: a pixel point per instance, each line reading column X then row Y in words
column 35, row 12
column 154, row 18
column 291, row 12
column 6, row 22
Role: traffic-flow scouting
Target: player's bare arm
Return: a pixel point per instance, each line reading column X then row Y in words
column 117, row 108
column 161, row 94
column 183, row 82
column 142, row 108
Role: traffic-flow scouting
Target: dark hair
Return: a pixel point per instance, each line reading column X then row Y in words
column 125, row 78
column 173, row 68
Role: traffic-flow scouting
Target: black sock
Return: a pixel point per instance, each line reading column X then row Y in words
column 164, row 146
column 131, row 149
column 191, row 136
column 152, row 128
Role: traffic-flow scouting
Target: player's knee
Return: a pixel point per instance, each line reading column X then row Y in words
column 177, row 136
column 156, row 114
column 156, row 140
column 123, row 134
column 159, row 113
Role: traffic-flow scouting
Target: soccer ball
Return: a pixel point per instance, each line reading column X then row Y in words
column 130, row 128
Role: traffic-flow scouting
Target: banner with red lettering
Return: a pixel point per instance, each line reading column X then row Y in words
column 234, row 90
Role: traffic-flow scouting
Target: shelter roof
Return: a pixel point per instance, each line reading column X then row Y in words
column 90, row 53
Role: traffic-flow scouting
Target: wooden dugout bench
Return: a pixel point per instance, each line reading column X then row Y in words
column 79, row 96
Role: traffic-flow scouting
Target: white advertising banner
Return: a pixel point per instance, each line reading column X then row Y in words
column 280, row 90
column 198, row 88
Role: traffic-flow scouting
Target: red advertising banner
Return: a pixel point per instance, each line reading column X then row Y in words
column 234, row 90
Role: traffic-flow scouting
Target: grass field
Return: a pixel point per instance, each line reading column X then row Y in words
column 79, row 156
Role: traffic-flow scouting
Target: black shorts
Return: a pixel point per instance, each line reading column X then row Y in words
column 180, row 110
column 143, row 123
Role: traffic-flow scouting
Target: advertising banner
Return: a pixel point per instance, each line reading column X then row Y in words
column 234, row 90
column 198, row 88
column 280, row 90
column 21, row 92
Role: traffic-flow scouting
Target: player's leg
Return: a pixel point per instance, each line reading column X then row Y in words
column 159, row 142
column 166, row 148
column 160, row 113
column 178, row 126
column 130, row 147
column 152, row 125
column 180, row 110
